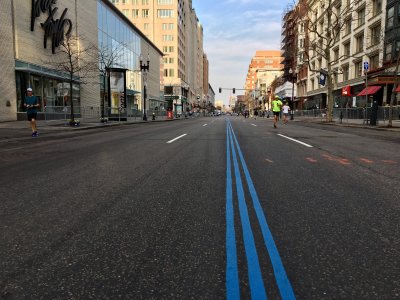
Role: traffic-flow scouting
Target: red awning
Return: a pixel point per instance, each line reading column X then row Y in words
column 370, row 90
column 397, row 89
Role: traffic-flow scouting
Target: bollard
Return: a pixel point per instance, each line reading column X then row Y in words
column 341, row 117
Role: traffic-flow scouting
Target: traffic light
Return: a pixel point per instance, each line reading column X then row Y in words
column 220, row 90
column 233, row 90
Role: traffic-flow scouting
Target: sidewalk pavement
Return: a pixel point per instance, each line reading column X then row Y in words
column 17, row 130
column 359, row 123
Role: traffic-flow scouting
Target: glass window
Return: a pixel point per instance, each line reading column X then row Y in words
column 398, row 14
column 388, row 52
column 390, row 17
column 336, row 54
column 376, row 7
column 374, row 61
column 346, row 49
column 348, row 27
column 104, row 19
column 359, row 43
column 345, row 69
column 375, row 35
column 358, row 69
column 145, row 13
column 165, row 13
column 168, row 38
column 361, row 17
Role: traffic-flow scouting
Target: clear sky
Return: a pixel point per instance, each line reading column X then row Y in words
column 233, row 31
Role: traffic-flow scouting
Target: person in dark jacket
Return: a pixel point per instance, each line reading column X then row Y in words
column 31, row 103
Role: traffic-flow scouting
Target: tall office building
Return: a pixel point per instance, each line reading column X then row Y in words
column 173, row 26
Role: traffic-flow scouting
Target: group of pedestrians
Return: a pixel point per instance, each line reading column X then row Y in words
column 277, row 108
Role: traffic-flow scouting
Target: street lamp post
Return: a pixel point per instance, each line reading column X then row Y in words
column 293, row 77
column 145, row 69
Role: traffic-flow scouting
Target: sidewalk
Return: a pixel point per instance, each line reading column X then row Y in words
column 359, row 123
column 16, row 130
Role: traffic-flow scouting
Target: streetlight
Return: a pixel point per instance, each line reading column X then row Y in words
column 293, row 77
column 269, row 96
column 145, row 69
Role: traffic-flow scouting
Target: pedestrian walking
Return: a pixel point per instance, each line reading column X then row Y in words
column 31, row 103
column 255, row 114
column 285, row 109
column 276, row 109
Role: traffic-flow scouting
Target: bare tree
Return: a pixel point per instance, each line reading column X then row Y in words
column 75, row 60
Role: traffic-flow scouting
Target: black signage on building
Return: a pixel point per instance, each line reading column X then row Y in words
column 54, row 29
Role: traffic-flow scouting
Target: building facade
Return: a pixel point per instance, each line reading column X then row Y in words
column 391, row 59
column 264, row 67
column 346, row 52
column 174, row 27
column 34, row 55
column 344, row 35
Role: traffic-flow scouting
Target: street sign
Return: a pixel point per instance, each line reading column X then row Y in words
column 366, row 66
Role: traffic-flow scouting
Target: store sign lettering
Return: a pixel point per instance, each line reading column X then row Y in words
column 54, row 29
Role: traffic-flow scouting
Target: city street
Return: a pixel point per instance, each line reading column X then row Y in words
column 203, row 208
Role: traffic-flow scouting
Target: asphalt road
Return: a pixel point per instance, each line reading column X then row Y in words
column 206, row 208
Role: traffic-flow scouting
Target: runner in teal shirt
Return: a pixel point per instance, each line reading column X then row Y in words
column 31, row 103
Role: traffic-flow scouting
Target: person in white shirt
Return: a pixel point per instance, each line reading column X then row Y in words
column 285, row 109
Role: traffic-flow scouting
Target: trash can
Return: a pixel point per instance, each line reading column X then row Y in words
column 374, row 113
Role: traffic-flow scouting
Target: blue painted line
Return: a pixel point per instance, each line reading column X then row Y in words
column 256, row 282
column 232, row 274
column 285, row 288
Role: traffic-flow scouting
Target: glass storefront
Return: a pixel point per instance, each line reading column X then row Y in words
column 53, row 93
column 120, row 46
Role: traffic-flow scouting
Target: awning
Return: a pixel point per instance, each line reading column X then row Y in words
column 370, row 90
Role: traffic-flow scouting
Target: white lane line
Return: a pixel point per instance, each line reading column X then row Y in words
column 177, row 138
column 294, row 140
column 205, row 125
column 254, row 125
